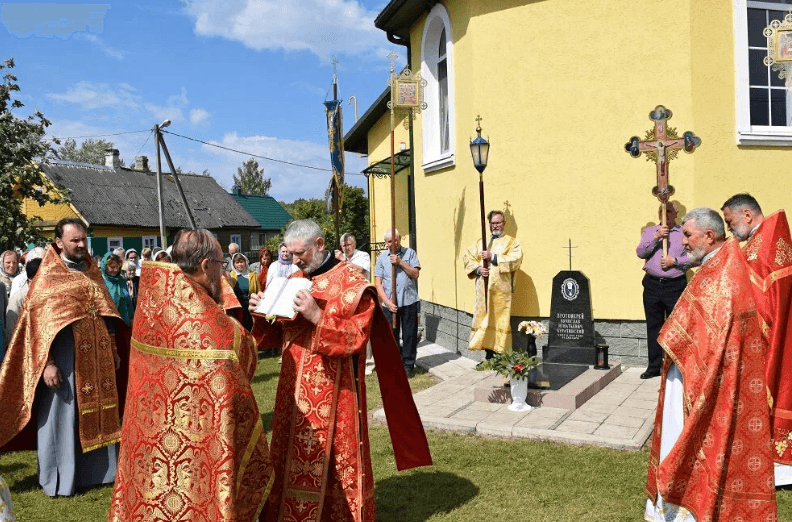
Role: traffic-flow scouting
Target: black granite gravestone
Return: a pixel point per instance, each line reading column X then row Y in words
column 571, row 336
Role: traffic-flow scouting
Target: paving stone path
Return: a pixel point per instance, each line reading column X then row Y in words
column 620, row 416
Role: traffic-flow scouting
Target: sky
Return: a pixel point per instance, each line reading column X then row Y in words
column 249, row 75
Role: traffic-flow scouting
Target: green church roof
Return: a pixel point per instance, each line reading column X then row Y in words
column 265, row 209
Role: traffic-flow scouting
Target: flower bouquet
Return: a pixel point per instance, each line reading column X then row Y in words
column 533, row 328
column 514, row 365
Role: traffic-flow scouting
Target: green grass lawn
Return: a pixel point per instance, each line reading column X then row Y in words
column 473, row 478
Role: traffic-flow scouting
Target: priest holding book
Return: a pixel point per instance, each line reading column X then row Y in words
column 320, row 445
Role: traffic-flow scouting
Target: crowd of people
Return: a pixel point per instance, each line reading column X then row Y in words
column 83, row 354
column 139, row 374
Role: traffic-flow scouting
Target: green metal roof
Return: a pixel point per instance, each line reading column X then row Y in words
column 265, row 209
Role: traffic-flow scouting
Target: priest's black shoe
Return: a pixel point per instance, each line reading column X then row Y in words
column 648, row 374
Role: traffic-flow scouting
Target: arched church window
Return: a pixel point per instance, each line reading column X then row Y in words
column 437, row 69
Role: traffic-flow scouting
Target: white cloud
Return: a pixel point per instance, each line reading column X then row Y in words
column 180, row 99
column 109, row 51
column 199, row 116
column 322, row 27
column 97, row 95
column 165, row 112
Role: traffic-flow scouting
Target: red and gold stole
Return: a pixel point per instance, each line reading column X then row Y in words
column 59, row 298
column 193, row 446
column 721, row 467
column 769, row 255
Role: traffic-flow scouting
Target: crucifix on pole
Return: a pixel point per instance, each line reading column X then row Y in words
column 661, row 145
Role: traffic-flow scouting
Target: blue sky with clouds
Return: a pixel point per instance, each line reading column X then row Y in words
column 246, row 74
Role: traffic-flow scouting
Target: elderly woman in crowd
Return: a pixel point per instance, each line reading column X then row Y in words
column 9, row 269
column 116, row 284
column 132, row 280
column 245, row 279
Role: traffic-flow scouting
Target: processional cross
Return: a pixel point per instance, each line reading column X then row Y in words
column 661, row 145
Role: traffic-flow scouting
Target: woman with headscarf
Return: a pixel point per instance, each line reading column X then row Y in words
column 160, row 255
column 116, row 284
column 132, row 279
column 9, row 268
column 245, row 279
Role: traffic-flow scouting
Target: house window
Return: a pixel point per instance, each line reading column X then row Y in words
column 762, row 101
column 114, row 242
column 437, row 68
column 149, row 241
column 237, row 238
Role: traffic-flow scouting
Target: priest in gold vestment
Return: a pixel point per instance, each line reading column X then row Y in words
column 491, row 330
column 193, row 446
column 59, row 390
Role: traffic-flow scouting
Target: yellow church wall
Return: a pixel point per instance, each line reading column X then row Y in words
column 561, row 87
column 723, row 167
column 380, row 192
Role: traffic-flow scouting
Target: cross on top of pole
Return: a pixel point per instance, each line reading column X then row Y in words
column 392, row 57
column 570, row 247
column 661, row 145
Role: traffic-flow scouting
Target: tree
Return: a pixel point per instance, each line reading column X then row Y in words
column 354, row 217
column 250, row 179
column 90, row 151
column 21, row 145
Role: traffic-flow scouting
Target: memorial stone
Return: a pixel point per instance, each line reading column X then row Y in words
column 571, row 335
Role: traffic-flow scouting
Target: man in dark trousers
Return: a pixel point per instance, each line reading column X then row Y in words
column 664, row 281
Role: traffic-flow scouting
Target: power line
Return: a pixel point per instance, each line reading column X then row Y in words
column 248, row 153
column 98, row 135
column 144, row 143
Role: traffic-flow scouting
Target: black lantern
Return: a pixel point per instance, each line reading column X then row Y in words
column 479, row 149
column 601, row 362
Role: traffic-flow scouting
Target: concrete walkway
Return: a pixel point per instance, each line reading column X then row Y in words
column 621, row 416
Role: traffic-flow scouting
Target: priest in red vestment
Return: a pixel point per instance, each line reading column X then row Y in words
column 769, row 254
column 320, row 443
column 59, row 391
column 193, row 446
column 711, row 457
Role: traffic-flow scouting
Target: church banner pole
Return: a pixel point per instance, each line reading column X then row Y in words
column 160, row 204
column 393, row 218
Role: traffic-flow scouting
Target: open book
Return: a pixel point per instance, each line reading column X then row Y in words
column 279, row 296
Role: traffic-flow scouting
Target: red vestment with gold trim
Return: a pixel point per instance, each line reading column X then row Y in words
column 721, row 466
column 769, row 255
column 320, row 443
column 193, row 447
column 59, row 298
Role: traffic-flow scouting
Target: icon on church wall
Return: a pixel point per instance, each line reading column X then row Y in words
column 406, row 93
column 784, row 46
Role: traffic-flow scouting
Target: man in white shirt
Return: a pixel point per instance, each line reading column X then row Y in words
column 350, row 255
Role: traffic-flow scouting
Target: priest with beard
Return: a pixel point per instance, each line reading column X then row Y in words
column 491, row 329
column 320, row 443
column 193, row 446
column 711, row 455
column 59, row 376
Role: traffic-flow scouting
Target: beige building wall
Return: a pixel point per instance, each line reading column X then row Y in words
column 561, row 87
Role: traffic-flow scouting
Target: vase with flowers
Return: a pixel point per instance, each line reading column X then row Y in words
column 514, row 366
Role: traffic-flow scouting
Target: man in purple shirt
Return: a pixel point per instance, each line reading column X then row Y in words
column 664, row 281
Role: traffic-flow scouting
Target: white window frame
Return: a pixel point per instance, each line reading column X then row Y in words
column 111, row 243
column 748, row 134
column 433, row 158
column 149, row 241
column 236, row 238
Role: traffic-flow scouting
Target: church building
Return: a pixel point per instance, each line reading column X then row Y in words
column 561, row 86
